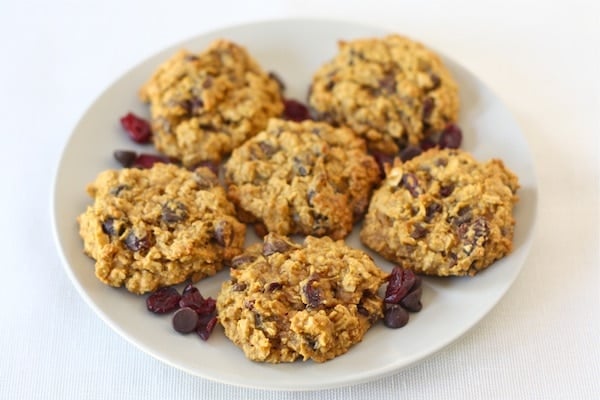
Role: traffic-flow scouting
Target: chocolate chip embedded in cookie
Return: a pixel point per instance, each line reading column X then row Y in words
column 302, row 178
column 287, row 301
column 443, row 213
column 393, row 91
column 159, row 226
column 204, row 105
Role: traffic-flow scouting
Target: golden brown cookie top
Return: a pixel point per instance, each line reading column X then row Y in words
column 156, row 227
column 307, row 178
column 204, row 105
column 443, row 213
column 286, row 301
column 392, row 90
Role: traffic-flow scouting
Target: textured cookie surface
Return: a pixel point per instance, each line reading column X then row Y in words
column 391, row 90
column 287, row 301
column 158, row 227
column 443, row 213
column 306, row 178
column 204, row 105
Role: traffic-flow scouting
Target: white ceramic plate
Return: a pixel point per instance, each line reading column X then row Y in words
column 294, row 49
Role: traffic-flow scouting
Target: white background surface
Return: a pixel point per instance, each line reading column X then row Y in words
column 541, row 341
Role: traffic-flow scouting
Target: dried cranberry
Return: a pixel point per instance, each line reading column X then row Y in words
column 427, row 143
column 145, row 161
column 399, row 284
column 394, row 316
column 164, row 300
column 191, row 297
column 185, row 320
column 137, row 128
column 451, row 137
column 125, row 157
column 295, row 111
column 206, row 324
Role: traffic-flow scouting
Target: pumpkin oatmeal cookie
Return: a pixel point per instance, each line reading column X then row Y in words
column 393, row 91
column 302, row 178
column 443, row 213
column 287, row 301
column 156, row 227
column 204, row 105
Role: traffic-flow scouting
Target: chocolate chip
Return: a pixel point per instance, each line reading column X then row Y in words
column 299, row 167
column 412, row 301
column 185, row 320
column 108, row 227
column 446, row 190
column 238, row 287
column 125, row 157
column 411, row 183
column 464, row 215
column 431, row 210
column 428, row 106
column 435, row 81
column 242, row 259
column 173, row 212
column 395, row 316
column 273, row 286
column 205, row 180
column 137, row 244
column 474, row 234
column 410, row 152
column 267, row 149
column 419, row 232
column 192, row 106
column 387, row 84
column 312, row 293
column 115, row 191
column 274, row 244
column 223, row 233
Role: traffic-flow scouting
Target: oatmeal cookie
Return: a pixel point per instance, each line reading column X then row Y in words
column 393, row 91
column 302, row 178
column 443, row 213
column 287, row 301
column 156, row 227
column 204, row 105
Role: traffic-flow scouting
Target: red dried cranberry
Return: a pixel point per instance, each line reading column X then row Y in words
column 427, row 143
column 206, row 324
column 138, row 129
column 164, row 300
column 185, row 320
column 451, row 137
column 145, row 161
column 191, row 297
column 399, row 284
column 295, row 111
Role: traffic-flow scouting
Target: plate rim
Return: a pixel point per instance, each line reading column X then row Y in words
column 374, row 375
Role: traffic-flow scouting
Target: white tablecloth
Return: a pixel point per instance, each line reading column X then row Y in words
column 541, row 58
